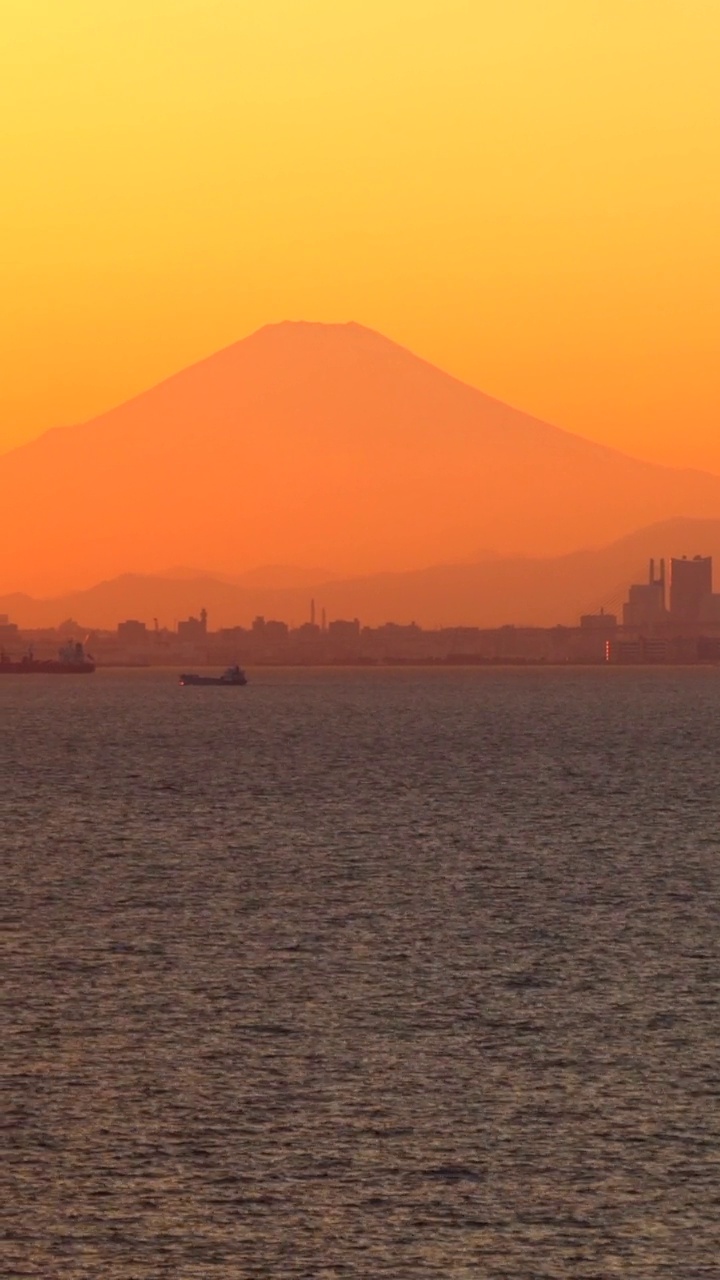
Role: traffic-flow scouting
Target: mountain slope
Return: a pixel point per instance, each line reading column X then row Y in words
column 538, row 592
column 316, row 444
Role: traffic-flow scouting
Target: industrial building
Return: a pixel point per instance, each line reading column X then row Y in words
column 646, row 603
column 679, row 625
column 691, row 586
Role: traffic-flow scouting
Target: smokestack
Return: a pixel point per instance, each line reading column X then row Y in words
column 312, row 613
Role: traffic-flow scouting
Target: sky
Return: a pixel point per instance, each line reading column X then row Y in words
column 524, row 192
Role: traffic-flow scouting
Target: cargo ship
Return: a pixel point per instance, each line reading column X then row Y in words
column 233, row 677
column 72, row 660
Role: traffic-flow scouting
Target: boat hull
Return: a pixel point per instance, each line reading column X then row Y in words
column 216, row 681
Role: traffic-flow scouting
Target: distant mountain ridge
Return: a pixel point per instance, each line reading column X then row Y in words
column 316, row 444
column 270, row 576
column 524, row 591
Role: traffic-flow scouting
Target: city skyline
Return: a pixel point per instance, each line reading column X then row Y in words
column 673, row 617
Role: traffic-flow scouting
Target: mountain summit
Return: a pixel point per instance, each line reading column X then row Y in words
column 316, row 444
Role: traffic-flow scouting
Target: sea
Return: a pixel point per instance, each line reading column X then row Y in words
column 362, row 973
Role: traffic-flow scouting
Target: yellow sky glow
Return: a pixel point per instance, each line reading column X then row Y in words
column 526, row 192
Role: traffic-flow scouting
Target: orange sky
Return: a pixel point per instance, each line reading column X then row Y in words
column 526, row 192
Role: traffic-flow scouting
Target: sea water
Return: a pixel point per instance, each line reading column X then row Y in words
column 362, row 974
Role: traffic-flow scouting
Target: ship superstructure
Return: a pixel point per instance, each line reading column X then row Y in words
column 72, row 660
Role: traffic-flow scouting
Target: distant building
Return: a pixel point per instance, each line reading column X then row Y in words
column 274, row 630
column 397, row 630
column 269, row 630
column 652, row 649
column 645, row 605
column 131, row 631
column 233, row 633
column 8, row 629
column 344, row 631
column 710, row 612
column 691, row 583
column 601, row 621
column 193, row 628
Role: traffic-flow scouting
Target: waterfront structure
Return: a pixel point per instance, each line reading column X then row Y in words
column 691, row 583
column 645, row 605
column 132, row 632
column 344, row 631
column 689, row 631
column 8, row 629
column 193, row 628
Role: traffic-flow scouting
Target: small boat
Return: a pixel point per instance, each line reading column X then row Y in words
column 234, row 676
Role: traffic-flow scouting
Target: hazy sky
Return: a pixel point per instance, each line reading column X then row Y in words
column 526, row 192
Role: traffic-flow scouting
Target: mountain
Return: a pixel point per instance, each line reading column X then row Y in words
column 316, row 444
column 279, row 577
column 538, row 592
column 267, row 576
